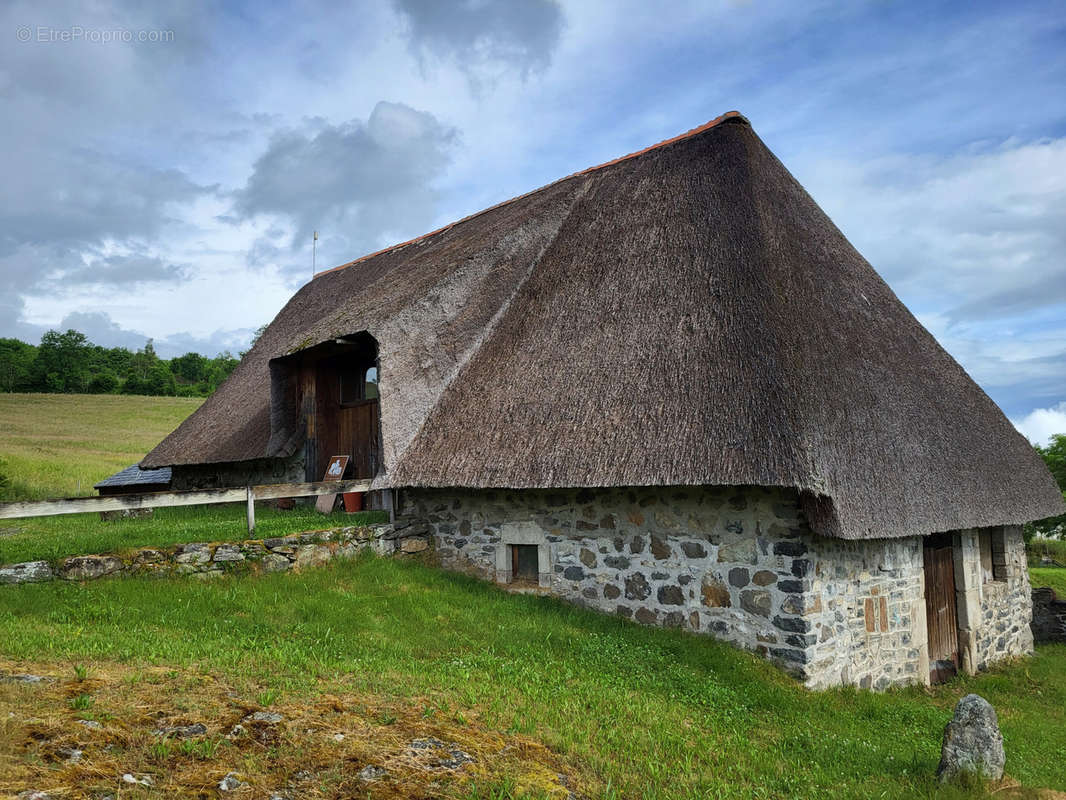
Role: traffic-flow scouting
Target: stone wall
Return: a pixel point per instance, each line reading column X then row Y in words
column 994, row 615
column 212, row 559
column 740, row 564
column 866, row 602
column 257, row 472
column 1049, row 616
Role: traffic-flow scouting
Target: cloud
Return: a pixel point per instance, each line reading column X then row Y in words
column 361, row 184
column 977, row 235
column 1039, row 425
column 125, row 270
column 104, row 331
column 484, row 35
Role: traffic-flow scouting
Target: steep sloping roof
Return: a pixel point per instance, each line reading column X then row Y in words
column 683, row 316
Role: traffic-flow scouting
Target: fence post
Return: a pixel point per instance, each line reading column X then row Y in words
column 251, row 511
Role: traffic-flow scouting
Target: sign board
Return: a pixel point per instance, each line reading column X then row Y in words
column 334, row 472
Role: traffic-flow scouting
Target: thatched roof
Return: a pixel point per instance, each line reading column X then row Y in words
column 683, row 316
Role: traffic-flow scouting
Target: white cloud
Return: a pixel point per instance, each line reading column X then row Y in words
column 1039, row 425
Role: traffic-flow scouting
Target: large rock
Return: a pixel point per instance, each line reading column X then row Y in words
column 972, row 742
column 89, row 568
column 27, row 572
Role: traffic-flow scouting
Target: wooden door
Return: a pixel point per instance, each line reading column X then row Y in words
column 941, row 618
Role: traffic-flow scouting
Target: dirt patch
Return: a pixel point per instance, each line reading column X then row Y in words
column 155, row 732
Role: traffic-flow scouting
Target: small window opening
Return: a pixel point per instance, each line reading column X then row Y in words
column 358, row 383
column 993, row 555
column 524, row 562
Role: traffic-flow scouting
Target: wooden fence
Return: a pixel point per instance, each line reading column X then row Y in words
column 200, row 497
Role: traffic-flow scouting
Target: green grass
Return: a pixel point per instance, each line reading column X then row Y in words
column 1054, row 577
column 640, row 712
column 56, row 445
column 51, row 538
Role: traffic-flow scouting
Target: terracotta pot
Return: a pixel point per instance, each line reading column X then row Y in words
column 353, row 501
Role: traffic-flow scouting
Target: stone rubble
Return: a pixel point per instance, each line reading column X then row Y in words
column 230, row 783
column 268, row 717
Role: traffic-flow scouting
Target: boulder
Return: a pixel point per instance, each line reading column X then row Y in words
column 972, row 744
column 27, row 572
column 89, row 568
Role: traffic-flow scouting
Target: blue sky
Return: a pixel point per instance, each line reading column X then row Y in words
column 168, row 187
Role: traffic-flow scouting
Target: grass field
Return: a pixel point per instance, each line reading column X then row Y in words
column 1054, row 577
column 382, row 652
column 57, row 445
column 51, row 538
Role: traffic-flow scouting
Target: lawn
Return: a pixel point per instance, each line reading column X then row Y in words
column 57, row 445
column 1054, row 577
column 379, row 652
column 51, row 538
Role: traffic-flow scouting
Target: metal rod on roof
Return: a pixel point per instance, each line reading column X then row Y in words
column 314, row 249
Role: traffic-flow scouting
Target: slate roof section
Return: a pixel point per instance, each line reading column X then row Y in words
column 133, row 476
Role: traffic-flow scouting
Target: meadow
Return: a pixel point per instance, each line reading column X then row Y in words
column 382, row 653
column 56, row 445
column 59, row 445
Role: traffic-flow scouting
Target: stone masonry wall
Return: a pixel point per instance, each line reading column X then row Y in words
column 866, row 608
column 739, row 564
column 212, row 559
column 994, row 615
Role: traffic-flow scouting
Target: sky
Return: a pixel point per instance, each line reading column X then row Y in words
column 165, row 168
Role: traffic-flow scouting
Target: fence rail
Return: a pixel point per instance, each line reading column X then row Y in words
column 198, row 497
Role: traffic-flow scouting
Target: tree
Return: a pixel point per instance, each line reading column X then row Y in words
column 104, row 382
column 1054, row 456
column 189, row 367
column 16, row 365
column 62, row 362
column 160, row 380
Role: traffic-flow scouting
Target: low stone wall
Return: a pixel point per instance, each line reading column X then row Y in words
column 211, row 559
column 1049, row 616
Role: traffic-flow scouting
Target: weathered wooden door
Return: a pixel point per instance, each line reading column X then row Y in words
column 352, row 430
column 941, row 618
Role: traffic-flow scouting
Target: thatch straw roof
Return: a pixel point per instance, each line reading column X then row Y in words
column 683, row 316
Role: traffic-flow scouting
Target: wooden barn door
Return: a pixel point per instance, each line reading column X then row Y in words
column 941, row 618
column 352, row 430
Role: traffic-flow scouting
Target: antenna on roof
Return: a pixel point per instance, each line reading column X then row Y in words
column 314, row 248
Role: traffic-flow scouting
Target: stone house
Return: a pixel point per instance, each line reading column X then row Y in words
column 670, row 389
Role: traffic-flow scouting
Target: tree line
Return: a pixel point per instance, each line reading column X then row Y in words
column 69, row 363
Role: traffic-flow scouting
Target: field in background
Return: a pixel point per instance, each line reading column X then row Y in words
column 1053, row 577
column 382, row 652
column 59, row 445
